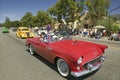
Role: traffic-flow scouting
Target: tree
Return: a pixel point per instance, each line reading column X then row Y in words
column 97, row 9
column 42, row 18
column 80, row 5
column 7, row 22
column 27, row 20
column 1, row 24
column 15, row 23
column 105, row 23
column 115, row 27
column 66, row 9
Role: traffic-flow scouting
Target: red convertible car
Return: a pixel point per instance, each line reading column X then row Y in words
column 71, row 57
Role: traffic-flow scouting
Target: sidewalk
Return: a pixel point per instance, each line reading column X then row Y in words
column 100, row 40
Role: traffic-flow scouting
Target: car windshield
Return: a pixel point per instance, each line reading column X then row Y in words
column 25, row 29
column 42, row 28
column 53, row 38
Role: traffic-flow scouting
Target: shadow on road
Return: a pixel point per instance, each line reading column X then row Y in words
column 52, row 66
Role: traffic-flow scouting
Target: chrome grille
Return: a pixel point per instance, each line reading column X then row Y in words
column 93, row 63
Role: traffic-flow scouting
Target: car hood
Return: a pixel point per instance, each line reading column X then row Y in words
column 76, row 49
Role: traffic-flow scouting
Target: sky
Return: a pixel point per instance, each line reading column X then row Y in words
column 16, row 9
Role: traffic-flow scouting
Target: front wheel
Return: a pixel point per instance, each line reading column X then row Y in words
column 63, row 68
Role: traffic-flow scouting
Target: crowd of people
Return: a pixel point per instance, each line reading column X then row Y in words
column 90, row 33
column 95, row 33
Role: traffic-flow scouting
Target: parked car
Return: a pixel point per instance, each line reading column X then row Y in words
column 71, row 57
column 24, row 32
column 115, row 37
column 5, row 30
column 14, row 29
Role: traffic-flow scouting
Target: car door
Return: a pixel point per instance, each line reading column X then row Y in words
column 44, row 49
column 38, row 47
column 48, row 52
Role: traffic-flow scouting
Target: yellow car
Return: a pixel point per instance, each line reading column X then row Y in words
column 24, row 32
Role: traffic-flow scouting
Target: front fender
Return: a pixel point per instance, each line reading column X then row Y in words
column 71, row 62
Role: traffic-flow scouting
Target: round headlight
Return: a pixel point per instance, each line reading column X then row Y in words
column 80, row 60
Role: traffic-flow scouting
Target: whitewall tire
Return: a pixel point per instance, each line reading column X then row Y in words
column 63, row 68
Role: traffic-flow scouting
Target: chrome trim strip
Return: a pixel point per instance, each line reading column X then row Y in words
column 92, row 60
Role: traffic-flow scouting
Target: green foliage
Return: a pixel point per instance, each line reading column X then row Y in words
column 66, row 9
column 80, row 5
column 7, row 22
column 15, row 24
column 1, row 24
column 115, row 27
column 27, row 19
column 42, row 18
column 115, row 17
column 103, row 22
column 97, row 8
column 110, row 25
column 106, row 23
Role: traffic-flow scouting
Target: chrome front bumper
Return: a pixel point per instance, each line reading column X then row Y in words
column 90, row 68
column 78, row 74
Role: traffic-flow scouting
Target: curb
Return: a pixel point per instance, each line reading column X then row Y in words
column 99, row 40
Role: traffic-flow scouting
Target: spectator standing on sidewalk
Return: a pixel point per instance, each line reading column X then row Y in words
column 109, row 33
column 104, row 33
column 84, row 32
column 119, row 34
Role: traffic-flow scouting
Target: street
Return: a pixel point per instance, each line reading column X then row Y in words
column 17, row 64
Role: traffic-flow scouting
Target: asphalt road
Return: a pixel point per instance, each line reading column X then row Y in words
column 17, row 64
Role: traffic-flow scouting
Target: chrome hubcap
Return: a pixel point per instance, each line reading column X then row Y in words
column 63, row 67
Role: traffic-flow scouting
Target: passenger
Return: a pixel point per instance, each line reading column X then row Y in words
column 54, row 38
column 42, row 37
column 61, row 38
